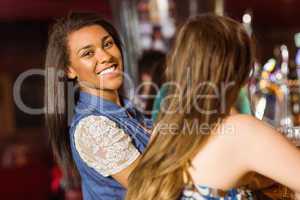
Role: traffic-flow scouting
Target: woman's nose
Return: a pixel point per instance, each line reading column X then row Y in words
column 103, row 56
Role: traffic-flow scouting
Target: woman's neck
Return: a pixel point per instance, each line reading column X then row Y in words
column 110, row 95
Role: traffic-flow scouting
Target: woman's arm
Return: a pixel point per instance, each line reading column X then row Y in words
column 122, row 176
column 106, row 148
column 268, row 152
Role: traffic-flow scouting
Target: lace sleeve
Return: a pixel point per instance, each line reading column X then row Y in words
column 104, row 146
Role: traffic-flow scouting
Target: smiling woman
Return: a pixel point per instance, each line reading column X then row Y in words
column 107, row 134
column 95, row 59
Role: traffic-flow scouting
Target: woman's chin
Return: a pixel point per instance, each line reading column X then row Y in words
column 113, row 86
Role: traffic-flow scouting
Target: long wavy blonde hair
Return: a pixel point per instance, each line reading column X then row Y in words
column 210, row 52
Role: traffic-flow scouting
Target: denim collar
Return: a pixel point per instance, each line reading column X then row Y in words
column 105, row 106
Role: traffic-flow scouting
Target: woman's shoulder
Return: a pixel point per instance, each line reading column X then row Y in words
column 240, row 133
column 93, row 117
column 241, row 118
column 254, row 135
column 99, row 121
column 244, row 124
column 249, row 124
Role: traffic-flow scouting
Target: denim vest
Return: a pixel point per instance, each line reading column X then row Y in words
column 94, row 185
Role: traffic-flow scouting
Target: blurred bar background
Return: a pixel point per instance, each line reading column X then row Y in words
column 27, row 169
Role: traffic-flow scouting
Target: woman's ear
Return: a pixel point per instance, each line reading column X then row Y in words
column 71, row 73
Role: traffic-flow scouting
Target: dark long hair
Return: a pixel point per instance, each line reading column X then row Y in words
column 59, row 96
column 210, row 49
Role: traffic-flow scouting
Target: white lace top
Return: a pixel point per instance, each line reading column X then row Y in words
column 104, row 146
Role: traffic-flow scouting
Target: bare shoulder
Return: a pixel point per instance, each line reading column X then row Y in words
column 251, row 131
column 247, row 124
column 244, row 121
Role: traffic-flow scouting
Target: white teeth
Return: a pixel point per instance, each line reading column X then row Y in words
column 108, row 70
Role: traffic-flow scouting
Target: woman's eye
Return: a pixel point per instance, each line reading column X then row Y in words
column 87, row 54
column 108, row 44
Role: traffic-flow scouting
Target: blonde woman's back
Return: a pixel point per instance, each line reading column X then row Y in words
column 240, row 145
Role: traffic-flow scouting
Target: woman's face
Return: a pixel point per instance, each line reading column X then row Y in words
column 95, row 59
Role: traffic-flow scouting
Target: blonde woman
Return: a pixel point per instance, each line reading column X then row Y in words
column 200, row 149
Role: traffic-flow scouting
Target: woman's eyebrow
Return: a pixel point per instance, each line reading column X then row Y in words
column 85, row 47
column 105, row 38
column 89, row 45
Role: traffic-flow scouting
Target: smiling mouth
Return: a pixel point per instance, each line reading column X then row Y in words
column 108, row 70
